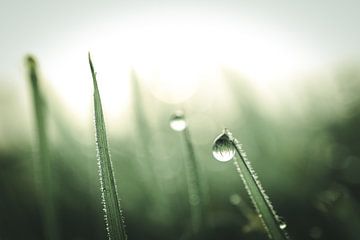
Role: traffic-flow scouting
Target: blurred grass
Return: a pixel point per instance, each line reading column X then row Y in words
column 312, row 142
column 42, row 170
column 194, row 179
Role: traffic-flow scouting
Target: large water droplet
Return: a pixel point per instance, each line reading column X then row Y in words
column 223, row 149
column 177, row 121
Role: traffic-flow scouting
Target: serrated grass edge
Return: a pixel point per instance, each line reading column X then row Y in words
column 271, row 221
column 114, row 219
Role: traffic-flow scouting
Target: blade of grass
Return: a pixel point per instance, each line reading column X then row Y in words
column 253, row 220
column 43, row 166
column 148, row 165
column 196, row 197
column 147, row 169
column 114, row 219
column 224, row 149
column 194, row 181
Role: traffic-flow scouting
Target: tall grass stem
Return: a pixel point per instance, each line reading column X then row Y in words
column 195, row 185
column 193, row 177
column 42, row 167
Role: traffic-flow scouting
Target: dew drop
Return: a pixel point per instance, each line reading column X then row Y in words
column 282, row 225
column 223, row 149
column 177, row 121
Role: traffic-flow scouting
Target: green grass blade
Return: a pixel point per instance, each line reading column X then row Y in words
column 147, row 168
column 113, row 214
column 196, row 195
column 43, row 166
column 193, row 177
column 226, row 146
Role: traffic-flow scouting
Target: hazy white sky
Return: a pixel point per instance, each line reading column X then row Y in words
column 38, row 26
column 263, row 38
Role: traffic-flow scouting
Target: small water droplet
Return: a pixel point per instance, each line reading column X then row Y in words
column 223, row 149
column 177, row 121
column 282, row 225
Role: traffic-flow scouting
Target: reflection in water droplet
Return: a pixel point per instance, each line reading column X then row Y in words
column 223, row 149
column 177, row 121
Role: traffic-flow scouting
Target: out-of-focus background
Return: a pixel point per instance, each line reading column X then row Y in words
column 282, row 75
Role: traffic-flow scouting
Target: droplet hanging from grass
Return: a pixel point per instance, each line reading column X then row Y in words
column 177, row 121
column 225, row 148
column 282, row 224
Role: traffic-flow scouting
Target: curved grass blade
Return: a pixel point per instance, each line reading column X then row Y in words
column 42, row 168
column 225, row 147
column 114, row 220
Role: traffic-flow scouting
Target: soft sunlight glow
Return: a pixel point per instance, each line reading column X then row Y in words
column 171, row 58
